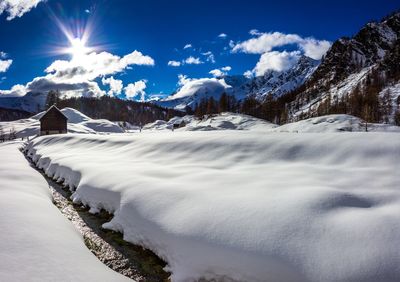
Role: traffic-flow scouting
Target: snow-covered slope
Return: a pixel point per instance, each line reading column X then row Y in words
column 234, row 121
column 334, row 123
column 37, row 243
column 244, row 205
column 223, row 121
column 77, row 123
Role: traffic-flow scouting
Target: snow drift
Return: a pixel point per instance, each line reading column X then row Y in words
column 223, row 121
column 243, row 205
column 37, row 243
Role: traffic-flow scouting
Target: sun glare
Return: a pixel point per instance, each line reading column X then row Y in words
column 78, row 48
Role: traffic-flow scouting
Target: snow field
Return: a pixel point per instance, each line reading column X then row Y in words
column 37, row 243
column 243, row 205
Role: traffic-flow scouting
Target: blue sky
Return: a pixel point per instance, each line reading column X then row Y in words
column 160, row 29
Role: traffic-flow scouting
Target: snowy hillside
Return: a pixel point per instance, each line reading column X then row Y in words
column 234, row 121
column 243, row 205
column 223, row 121
column 334, row 123
column 37, row 242
column 77, row 123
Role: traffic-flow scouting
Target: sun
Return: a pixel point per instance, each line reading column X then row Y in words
column 78, row 48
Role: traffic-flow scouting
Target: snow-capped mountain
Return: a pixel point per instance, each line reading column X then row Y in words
column 31, row 102
column 278, row 83
column 271, row 83
column 373, row 51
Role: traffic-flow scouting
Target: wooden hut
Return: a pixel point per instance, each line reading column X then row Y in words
column 53, row 122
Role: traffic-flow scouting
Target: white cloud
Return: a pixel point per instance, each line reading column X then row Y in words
column 15, row 91
column 266, row 42
column 135, row 89
column 277, row 61
column 248, row 74
column 183, row 79
column 96, row 65
column 5, row 64
column 174, row 63
column 271, row 59
column 3, row 55
column 220, row 72
column 210, row 56
column 187, row 46
column 223, row 35
column 116, row 85
column 254, row 32
column 315, row 49
column 217, row 73
column 76, row 77
column 193, row 61
column 17, row 8
column 200, row 86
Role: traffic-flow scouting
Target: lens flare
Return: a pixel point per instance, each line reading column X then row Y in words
column 78, row 48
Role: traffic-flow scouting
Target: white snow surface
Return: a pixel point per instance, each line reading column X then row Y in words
column 334, row 123
column 243, row 205
column 223, row 121
column 234, row 121
column 37, row 243
column 77, row 123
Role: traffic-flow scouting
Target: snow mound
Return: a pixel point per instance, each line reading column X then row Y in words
column 334, row 123
column 37, row 242
column 77, row 123
column 243, row 205
column 223, row 121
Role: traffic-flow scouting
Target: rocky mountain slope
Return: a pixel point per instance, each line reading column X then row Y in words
column 371, row 57
column 271, row 83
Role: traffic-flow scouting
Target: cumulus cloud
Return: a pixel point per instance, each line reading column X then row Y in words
column 15, row 91
column 220, row 72
column 187, row 46
column 271, row 59
column 315, row 49
column 193, row 61
column 96, row 65
column 222, row 35
column 76, row 77
column 174, row 63
column 17, row 8
column 266, row 42
column 67, row 88
column 135, row 89
column 277, row 61
column 116, row 85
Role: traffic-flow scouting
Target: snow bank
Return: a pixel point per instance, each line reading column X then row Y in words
column 77, row 123
column 223, row 121
column 37, row 243
column 244, row 205
column 334, row 123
